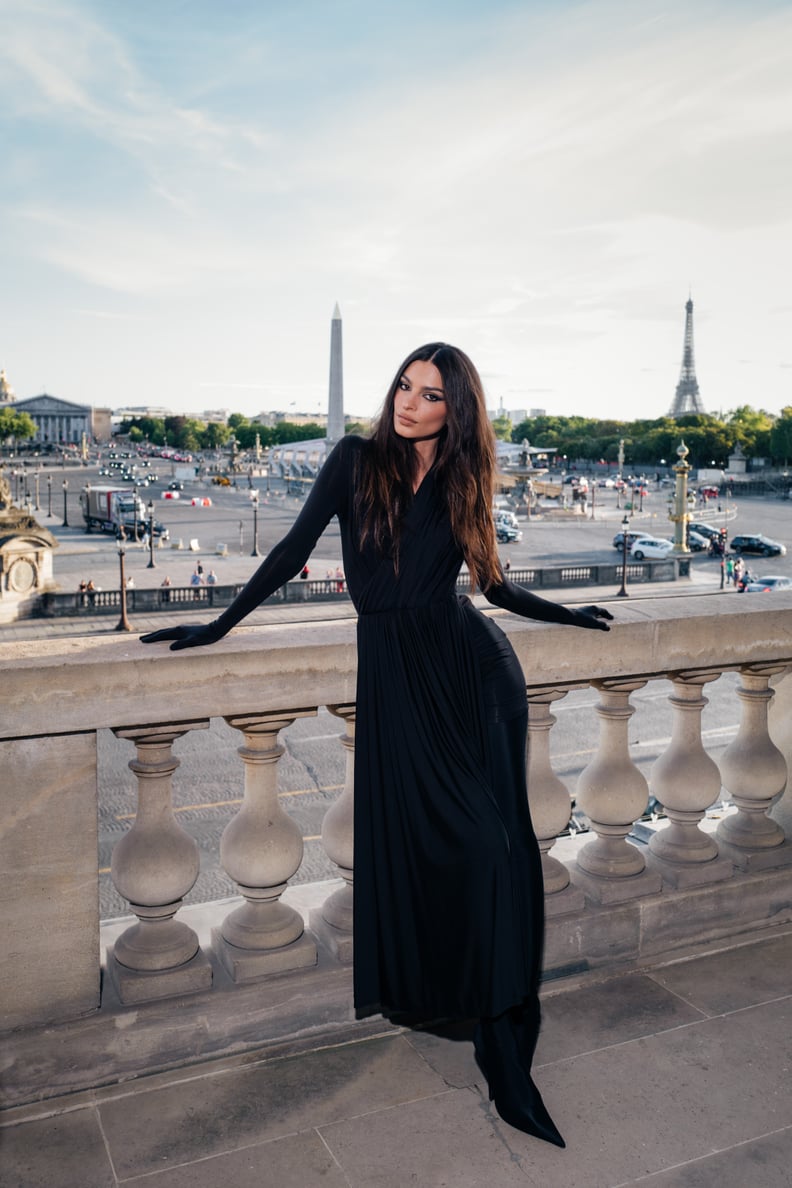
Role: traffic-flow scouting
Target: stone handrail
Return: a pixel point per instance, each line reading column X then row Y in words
column 62, row 603
column 58, row 693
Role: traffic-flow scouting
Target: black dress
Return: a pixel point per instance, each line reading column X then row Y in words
column 448, row 896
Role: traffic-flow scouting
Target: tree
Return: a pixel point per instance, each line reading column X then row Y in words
column 18, row 425
column 152, row 429
column 502, row 428
column 781, row 437
column 751, row 428
column 214, row 435
column 286, row 431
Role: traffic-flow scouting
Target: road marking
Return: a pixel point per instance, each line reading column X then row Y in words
column 313, row 837
column 649, row 742
column 188, row 808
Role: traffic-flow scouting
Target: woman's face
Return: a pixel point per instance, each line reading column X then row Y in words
column 419, row 406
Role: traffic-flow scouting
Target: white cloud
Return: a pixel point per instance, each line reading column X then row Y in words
column 546, row 198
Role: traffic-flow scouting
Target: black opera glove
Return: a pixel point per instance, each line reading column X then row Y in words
column 185, row 637
column 591, row 616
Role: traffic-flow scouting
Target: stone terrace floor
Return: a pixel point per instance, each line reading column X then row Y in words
column 676, row 1076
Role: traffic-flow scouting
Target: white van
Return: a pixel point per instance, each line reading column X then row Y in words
column 502, row 516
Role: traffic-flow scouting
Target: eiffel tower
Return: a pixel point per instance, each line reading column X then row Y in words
column 686, row 398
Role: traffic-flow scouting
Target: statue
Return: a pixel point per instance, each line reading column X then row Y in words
column 25, row 557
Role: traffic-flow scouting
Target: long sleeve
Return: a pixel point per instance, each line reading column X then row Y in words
column 520, row 601
column 327, row 498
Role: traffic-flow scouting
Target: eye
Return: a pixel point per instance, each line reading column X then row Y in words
column 404, row 386
column 432, row 397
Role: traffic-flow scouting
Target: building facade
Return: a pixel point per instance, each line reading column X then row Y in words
column 62, row 422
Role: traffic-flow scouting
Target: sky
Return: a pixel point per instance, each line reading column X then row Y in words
column 189, row 187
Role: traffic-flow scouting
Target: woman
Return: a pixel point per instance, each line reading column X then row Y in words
column 448, row 918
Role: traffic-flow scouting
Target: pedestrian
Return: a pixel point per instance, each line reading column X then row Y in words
column 90, row 589
column 722, row 571
column 737, row 570
column 729, row 569
column 507, row 565
column 196, row 580
column 211, row 578
column 441, row 809
column 166, row 585
column 130, row 583
column 339, row 573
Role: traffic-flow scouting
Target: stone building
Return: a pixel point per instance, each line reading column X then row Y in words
column 62, row 422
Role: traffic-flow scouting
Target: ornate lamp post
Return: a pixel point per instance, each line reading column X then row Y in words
column 49, row 496
column 152, row 563
column 123, row 622
column 38, row 479
column 65, row 513
column 88, row 507
column 135, row 498
column 254, row 498
column 681, row 514
column 625, row 526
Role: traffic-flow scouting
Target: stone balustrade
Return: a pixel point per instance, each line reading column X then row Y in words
column 617, row 901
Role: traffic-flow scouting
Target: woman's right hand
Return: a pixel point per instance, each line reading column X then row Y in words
column 185, row 637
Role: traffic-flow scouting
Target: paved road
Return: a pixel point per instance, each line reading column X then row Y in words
column 208, row 785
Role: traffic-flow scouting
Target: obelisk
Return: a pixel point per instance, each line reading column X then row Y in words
column 335, row 404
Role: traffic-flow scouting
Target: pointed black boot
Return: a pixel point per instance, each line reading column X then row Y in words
column 516, row 1097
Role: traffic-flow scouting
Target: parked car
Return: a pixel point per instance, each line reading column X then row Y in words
column 631, row 537
column 143, row 525
column 651, row 547
column 771, row 581
column 757, row 543
column 703, row 529
column 506, row 534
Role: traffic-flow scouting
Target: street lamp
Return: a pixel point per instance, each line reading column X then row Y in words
column 152, row 563
column 49, row 496
column 135, row 499
column 625, row 526
column 65, row 515
column 88, row 507
column 123, row 622
column 38, row 477
column 255, row 501
column 681, row 515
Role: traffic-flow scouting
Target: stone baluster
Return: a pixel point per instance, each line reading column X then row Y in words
column 754, row 773
column 261, row 848
column 780, row 719
column 333, row 921
column 154, row 865
column 613, row 794
column 686, row 781
column 549, row 801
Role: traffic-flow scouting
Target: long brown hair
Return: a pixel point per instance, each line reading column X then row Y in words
column 464, row 466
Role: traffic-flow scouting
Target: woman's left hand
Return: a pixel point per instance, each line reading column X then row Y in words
column 591, row 616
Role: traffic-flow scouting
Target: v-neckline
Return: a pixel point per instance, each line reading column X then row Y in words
column 422, row 483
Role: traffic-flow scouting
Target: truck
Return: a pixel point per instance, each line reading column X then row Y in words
column 112, row 508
